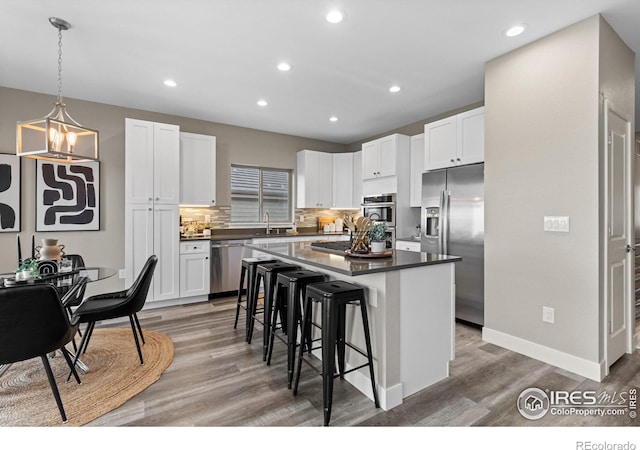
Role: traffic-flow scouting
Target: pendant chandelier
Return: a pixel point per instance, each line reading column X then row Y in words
column 56, row 136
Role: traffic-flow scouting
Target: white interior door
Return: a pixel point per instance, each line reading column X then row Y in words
column 620, row 258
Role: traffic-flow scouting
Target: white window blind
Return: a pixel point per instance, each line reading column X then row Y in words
column 256, row 190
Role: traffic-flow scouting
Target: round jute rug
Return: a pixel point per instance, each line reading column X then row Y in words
column 115, row 375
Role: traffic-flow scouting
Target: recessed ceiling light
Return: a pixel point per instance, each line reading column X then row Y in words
column 333, row 119
column 284, row 66
column 515, row 30
column 394, row 88
column 262, row 103
column 334, row 16
column 170, row 83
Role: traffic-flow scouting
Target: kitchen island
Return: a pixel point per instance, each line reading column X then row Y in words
column 411, row 306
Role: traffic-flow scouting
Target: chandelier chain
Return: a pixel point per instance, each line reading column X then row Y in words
column 59, row 65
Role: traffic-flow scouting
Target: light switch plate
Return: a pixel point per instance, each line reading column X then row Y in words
column 556, row 223
column 121, row 273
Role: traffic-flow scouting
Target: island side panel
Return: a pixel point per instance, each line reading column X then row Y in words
column 427, row 325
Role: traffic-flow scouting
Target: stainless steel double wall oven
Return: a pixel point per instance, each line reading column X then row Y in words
column 382, row 208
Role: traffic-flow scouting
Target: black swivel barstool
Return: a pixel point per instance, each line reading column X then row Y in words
column 290, row 291
column 247, row 272
column 334, row 296
column 266, row 274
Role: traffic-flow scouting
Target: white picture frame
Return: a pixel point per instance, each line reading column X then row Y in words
column 10, row 185
column 67, row 196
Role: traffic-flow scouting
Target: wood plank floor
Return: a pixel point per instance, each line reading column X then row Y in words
column 217, row 379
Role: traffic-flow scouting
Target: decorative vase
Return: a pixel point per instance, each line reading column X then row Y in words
column 50, row 250
column 378, row 247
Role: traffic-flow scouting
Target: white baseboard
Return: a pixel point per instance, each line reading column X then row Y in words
column 593, row 370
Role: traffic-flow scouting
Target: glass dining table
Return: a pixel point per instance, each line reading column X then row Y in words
column 63, row 281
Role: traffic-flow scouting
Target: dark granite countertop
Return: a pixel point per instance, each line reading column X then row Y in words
column 353, row 266
column 243, row 235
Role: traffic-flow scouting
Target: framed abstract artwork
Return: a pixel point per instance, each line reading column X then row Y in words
column 67, row 196
column 9, row 193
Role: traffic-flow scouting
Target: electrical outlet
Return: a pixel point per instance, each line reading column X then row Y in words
column 548, row 314
column 301, row 218
column 121, row 273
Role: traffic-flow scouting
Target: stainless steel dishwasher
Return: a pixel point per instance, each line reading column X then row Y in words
column 226, row 258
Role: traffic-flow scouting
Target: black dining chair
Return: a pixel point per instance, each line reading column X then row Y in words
column 33, row 323
column 115, row 305
column 76, row 262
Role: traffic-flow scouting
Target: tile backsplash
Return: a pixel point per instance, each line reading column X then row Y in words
column 219, row 217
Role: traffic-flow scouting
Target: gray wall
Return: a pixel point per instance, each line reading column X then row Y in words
column 106, row 247
column 543, row 158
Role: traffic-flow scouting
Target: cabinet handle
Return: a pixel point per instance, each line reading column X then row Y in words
column 195, row 247
column 150, row 199
column 213, row 201
column 457, row 159
column 206, row 257
column 157, row 198
column 452, row 160
column 150, row 209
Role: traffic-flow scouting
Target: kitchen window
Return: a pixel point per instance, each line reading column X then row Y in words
column 257, row 190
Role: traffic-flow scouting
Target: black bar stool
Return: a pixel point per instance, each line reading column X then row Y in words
column 334, row 296
column 266, row 274
column 247, row 270
column 290, row 291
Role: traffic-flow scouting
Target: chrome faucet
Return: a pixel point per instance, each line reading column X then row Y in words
column 266, row 219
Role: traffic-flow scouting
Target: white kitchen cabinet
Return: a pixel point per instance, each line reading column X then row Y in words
column 379, row 157
column 455, row 140
column 411, row 246
column 153, row 230
column 152, row 161
column 417, row 167
column 194, row 268
column 197, row 169
column 357, row 179
column 151, row 204
column 314, row 179
column 342, row 180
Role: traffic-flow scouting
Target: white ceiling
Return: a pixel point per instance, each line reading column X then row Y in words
column 223, row 55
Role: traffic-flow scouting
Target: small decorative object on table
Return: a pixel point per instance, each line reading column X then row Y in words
column 360, row 235
column 377, row 237
column 28, row 269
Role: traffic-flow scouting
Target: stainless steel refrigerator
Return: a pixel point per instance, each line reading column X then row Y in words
column 453, row 224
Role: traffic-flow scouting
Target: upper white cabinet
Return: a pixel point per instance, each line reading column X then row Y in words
column 357, row 179
column 379, row 157
column 385, row 165
column 417, row 167
column 197, row 169
column 342, row 180
column 314, row 179
column 455, row 140
column 152, row 162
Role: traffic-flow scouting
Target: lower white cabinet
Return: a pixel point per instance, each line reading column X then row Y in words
column 194, row 268
column 411, row 246
column 153, row 230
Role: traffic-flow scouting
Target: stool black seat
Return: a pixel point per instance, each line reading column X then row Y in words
column 266, row 274
column 289, row 293
column 247, row 271
column 334, row 296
